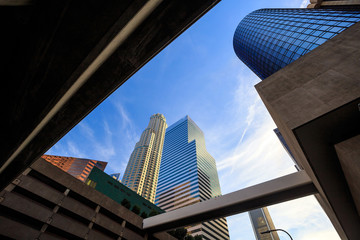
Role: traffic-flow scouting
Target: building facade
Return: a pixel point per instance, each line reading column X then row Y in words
column 261, row 221
column 46, row 203
column 188, row 175
column 77, row 167
column 142, row 172
column 343, row 4
column 117, row 191
column 310, row 99
column 267, row 40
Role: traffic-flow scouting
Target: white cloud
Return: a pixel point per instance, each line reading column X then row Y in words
column 126, row 135
column 304, row 219
column 304, row 3
column 100, row 146
column 258, row 156
column 73, row 150
column 240, row 227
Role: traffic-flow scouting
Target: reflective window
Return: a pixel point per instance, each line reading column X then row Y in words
column 268, row 39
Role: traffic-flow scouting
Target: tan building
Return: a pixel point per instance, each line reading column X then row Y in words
column 142, row 171
column 77, row 167
column 343, row 4
column 46, row 203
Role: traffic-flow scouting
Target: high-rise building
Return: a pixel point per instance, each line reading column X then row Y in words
column 261, row 221
column 188, row 175
column 308, row 90
column 267, row 40
column 77, row 167
column 142, row 171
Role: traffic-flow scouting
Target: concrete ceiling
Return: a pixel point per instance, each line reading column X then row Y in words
column 60, row 59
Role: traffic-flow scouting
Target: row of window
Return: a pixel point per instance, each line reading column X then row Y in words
column 269, row 39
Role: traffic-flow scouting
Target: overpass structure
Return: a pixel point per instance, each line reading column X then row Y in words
column 60, row 59
column 315, row 102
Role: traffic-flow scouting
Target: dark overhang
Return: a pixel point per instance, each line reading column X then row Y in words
column 60, row 59
column 315, row 103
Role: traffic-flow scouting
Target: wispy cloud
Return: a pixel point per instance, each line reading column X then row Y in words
column 127, row 135
column 244, row 145
column 255, row 156
column 73, row 150
column 303, row 214
column 101, row 145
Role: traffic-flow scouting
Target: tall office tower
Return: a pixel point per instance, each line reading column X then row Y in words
column 142, row 172
column 77, row 167
column 188, row 175
column 261, row 221
column 267, row 40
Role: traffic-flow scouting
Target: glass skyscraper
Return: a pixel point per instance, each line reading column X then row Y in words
column 267, row 40
column 142, row 172
column 261, row 221
column 188, row 175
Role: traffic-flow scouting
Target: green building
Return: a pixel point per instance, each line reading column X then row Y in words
column 121, row 194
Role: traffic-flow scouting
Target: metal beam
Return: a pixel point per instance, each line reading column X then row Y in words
column 281, row 189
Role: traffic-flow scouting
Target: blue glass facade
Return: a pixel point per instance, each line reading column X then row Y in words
column 188, row 175
column 267, row 40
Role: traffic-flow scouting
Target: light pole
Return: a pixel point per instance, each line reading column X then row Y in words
column 273, row 230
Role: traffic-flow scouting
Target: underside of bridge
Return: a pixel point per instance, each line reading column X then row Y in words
column 60, row 59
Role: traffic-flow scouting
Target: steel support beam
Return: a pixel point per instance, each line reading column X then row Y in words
column 281, row 189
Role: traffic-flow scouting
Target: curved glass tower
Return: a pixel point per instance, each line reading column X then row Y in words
column 142, row 172
column 267, row 40
column 188, row 175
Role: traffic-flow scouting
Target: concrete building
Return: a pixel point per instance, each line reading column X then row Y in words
column 188, row 175
column 308, row 61
column 341, row 4
column 44, row 202
column 77, row 167
column 72, row 56
column 318, row 115
column 142, row 171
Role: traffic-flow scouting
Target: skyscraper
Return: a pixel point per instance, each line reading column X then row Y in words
column 188, row 175
column 77, row 167
column 261, row 221
column 142, row 172
column 267, row 40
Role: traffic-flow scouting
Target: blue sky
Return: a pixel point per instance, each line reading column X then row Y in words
column 199, row 75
